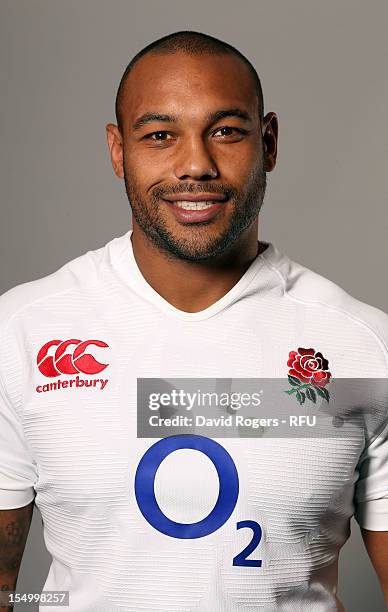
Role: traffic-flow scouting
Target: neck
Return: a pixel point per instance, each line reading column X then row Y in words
column 194, row 286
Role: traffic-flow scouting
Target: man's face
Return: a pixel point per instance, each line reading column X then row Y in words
column 191, row 131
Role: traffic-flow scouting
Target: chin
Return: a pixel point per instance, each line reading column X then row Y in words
column 196, row 249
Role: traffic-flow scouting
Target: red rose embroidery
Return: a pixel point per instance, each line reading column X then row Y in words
column 309, row 366
column 308, row 375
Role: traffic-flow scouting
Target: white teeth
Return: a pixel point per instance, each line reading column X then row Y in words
column 188, row 205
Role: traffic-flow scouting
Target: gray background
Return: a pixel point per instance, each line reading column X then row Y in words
column 323, row 70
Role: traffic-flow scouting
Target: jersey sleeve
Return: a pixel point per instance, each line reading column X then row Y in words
column 371, row 493
column 18, row 470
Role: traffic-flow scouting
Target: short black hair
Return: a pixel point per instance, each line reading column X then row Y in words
column 192, row 43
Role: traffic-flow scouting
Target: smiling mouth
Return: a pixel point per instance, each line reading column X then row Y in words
column 190, row 205
column 196, row 201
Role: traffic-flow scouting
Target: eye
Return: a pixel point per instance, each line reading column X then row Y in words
column 158, row 136
column 229, row 131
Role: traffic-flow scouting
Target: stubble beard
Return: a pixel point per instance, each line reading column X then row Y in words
column 201, row 244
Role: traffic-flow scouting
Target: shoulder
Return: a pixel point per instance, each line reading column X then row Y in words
column 76, row 275
column 331, row 305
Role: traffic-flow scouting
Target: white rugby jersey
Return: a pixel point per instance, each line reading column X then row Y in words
column 72, row 346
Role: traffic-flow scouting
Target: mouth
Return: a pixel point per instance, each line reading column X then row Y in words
column 191, row 208
column 189, row 205
column 196, row 207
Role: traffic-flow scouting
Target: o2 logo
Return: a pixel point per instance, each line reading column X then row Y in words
column 225, row 504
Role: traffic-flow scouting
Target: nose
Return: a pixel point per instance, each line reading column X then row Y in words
column 195, row 161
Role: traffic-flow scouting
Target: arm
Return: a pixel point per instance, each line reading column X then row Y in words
column 376, row 544
column 14, row 528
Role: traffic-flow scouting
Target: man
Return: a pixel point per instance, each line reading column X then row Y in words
column 189, row 292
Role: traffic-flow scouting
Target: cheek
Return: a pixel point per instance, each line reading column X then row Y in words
column 137, row 174
column 241, row 167
column 144, row 171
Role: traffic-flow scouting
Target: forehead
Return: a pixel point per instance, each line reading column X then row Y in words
column 188, row 85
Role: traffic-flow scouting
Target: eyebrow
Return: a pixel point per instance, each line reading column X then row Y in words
column 211, row 117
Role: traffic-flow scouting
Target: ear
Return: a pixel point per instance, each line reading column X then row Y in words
column 115, row 144
column 270, row 141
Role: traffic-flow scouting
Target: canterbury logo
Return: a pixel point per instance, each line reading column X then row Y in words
column 73, row 361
